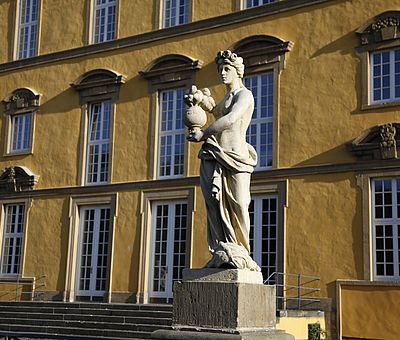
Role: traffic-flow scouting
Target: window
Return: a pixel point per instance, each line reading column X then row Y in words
column 176, row 12
column 254, row 3
column 385, row 76
column 386, row 228
column 264, row 233
column 260, row 131
column 171, row 134
column 98, row 146
column 13, row 229
column 264, row 57
column 169, row 246
column 104, row 21
column 21, row 132
column 21, row 106
column 27, row 28
column 168, row 77
column 379, row 51
column 98, row 91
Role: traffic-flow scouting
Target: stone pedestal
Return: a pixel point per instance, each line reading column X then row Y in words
column 223, row 304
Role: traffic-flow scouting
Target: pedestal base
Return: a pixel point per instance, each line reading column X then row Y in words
column 223, row 304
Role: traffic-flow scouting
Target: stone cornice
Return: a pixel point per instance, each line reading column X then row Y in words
column 381, row 166
column 148, row 37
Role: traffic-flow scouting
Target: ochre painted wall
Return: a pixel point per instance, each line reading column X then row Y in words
column 370, row 312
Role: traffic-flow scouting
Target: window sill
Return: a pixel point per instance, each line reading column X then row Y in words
column 366, row 107
column 18, row 153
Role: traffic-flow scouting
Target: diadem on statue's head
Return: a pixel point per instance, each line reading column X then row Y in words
column 227, row 57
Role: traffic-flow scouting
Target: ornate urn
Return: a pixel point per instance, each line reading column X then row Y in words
column 195, row 117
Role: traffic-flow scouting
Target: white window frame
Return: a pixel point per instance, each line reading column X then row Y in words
column 170, row 252
column 392, row 98
column 246, row 5
column 23, row 132
column 259, row 121
column 27, row 205
column 94, row 37
column 168, row 21
column 29, row 25
column 394, row 221
column 92, row 291
column 174, row 133
column 99, row 143
column 257, row 249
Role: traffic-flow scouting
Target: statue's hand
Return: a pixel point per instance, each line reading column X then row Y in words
column 195, row 135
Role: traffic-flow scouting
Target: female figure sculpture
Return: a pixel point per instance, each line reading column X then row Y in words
column 227, row 162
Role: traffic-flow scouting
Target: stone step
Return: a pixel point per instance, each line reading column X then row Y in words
column 85, row 324
column 87, row 305
column 85, row 317
column 68, row 310
column 88, row 332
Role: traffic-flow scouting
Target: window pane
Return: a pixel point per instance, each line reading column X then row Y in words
column 98, row 151
column 21, row 132
column 104, row 21
column 260, row 132
column 176, row 12
column 172, row 136
column 27, row 30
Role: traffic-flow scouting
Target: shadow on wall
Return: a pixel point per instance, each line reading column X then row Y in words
column 331, row 156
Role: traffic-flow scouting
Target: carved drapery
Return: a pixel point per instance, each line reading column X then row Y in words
column 17, row 178
column 377, row 143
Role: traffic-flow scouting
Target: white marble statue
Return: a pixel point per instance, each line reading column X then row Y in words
column 227, row 162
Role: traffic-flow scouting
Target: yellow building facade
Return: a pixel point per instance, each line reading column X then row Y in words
column 100, row 190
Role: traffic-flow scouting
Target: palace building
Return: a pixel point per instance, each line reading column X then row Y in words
column 99, row 192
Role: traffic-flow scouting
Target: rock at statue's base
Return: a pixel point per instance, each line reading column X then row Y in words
column 223, row 304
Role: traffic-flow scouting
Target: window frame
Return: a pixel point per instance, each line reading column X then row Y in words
column 18, row 26
column 243, row 4
column 146, row 203
column 21, row 101
column 162, row 19
column 93, row 87
column 395, row 224
column 172, row 133
column 91, row 23
column 162, row 76
column 99, row 142
column 27, row 203
column 262, row 54
column 75, row 204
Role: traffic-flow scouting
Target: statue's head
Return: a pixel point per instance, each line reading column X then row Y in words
column 227, row 57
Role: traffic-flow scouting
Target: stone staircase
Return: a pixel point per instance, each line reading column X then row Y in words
column 59, row 320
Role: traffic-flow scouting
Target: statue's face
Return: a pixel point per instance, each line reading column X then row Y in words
column 227, row 74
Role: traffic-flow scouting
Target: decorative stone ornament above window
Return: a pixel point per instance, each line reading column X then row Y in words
column 99, row 84
column 379, row 51
column 377, row 143
column 17, row 178
column 22, row 100
column 174, row 69
column 261, row 51
column 383, row 27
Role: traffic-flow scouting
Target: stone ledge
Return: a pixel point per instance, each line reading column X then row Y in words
column 222, row 275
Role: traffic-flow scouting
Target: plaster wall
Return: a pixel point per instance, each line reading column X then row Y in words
column 370, row 312
column 307, row 135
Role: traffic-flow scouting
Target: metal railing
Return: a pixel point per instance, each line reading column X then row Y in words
column 27, row 287
column 294, row 291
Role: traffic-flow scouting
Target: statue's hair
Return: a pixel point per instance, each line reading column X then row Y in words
column 227, row 57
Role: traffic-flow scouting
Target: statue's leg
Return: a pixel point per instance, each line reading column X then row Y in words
column 215, row 232
column 239, row 192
